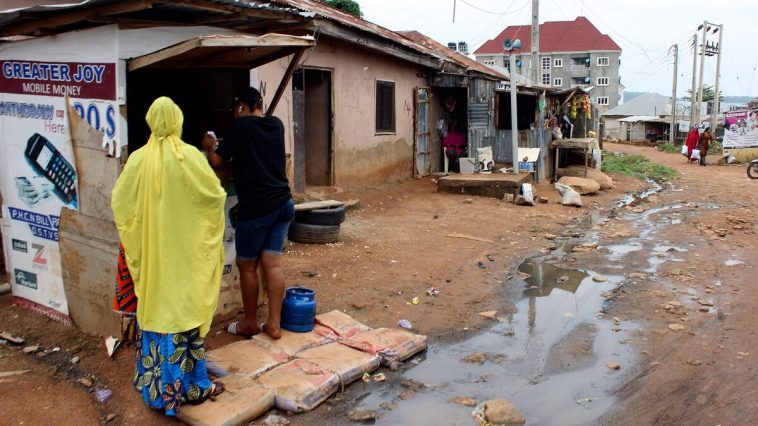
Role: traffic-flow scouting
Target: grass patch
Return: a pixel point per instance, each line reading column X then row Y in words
column 637, row 166
column 670, row 148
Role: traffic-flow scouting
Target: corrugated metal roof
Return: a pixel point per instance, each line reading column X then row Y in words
column 645, row 104
column 452, row 55
column 333, row 14
column 579, row 35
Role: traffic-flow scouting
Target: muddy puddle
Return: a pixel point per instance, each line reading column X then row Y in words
column 550, row 358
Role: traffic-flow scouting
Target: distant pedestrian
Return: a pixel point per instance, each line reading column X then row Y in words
column 692, row 140
column 705, row 139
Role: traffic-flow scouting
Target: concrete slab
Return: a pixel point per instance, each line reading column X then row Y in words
column 243, row 401
column 246, row 357
column 292, row 343
column 488, row 185
column 300, row 385
column 349, row 364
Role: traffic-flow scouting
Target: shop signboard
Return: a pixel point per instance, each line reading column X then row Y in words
column 741, row 129
column 38, row 172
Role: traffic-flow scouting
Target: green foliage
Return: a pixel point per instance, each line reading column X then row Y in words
column 707, row 94
column 637, row 166
column 668, row 147
column 348, row 6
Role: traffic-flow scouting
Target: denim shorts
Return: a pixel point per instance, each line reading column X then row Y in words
column 264, row 234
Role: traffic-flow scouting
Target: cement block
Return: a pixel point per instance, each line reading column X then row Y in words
column 348, row 363
column 292, row 343
column 243, row 401
column 300, row 385
column 246, row 357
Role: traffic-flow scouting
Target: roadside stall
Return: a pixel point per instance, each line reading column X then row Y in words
column 72, row 107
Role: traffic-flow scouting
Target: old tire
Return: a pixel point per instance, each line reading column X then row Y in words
column 314, row 234
column 325, row 217
column 752, row 170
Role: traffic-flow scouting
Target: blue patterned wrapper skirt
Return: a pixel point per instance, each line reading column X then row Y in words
column 170, row 369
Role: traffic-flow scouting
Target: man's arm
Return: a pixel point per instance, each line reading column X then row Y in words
column 217, row 162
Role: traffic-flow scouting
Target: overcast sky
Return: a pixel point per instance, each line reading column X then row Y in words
column 645, row 30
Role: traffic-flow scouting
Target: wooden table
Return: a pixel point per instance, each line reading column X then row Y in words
column 586, row 145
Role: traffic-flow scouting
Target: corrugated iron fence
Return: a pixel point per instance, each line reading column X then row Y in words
column 482, row 131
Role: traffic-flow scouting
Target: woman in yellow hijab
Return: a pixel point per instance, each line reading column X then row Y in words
column 168, row 206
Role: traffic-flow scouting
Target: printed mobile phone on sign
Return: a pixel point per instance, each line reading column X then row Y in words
column 46, row 160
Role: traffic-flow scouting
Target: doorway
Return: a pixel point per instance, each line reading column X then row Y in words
column 204, row 95
column 312, row 98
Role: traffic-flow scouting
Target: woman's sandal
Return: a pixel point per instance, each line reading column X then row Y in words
column 218, row 389
column 232, row 329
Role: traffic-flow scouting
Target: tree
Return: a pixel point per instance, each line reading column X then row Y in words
column 348, row 6
column 707, row 94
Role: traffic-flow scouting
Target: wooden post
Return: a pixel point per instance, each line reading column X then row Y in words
column 702, row 71
column 715, row 113
column 673, row 96
column 285, row 80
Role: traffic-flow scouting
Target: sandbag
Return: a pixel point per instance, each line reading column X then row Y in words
column 291, row 342
column 342, row 324
column 391, row 344
column 243, row 401
column 247, row 357
column 300, row 385
column 581, row 185
column 605, row 181
column 349, row 364
column 570, row 197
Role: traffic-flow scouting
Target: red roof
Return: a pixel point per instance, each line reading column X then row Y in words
column 560, row 36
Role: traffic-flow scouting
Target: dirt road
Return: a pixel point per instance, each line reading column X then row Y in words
column 675, row 246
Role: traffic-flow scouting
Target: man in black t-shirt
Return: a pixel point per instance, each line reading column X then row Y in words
column 254, row 147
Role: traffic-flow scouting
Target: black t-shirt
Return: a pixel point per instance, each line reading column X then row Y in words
column 255, row 147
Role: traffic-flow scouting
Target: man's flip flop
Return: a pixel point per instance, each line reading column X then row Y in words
column 232, row 329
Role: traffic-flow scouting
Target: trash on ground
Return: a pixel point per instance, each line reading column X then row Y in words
column 432, row 291
column 111, row 343
column 468, row 237
column 103, row 395
column 405, row 324
column 11, row 338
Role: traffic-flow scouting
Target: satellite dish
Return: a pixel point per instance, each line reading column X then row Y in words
column 509, row 44
column 586, row 79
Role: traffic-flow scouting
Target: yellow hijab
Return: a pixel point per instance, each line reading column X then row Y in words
column 168, row 206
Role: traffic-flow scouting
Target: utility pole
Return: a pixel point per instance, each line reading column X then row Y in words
column 514, row 115
column 693, row 97
column 716, row 102
column 702, row 70
column 672, row 129
column 536, row 64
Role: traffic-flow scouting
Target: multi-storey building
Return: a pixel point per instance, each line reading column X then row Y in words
column 572, row 54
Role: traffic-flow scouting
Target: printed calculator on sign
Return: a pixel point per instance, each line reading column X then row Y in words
column 48, row 162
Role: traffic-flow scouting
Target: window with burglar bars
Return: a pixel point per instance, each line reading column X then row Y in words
column 545, row 63
column 546, row 79
column 385, row 106
column 603, row 61
column 558, row 63
column 558, row 82
column 602, row 81
column 602, row 100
